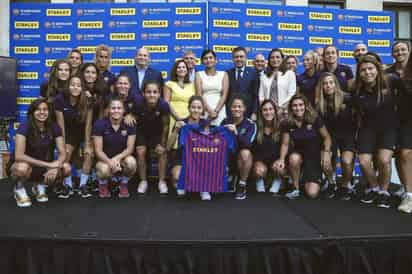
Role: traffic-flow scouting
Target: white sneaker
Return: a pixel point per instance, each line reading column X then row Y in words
column 180, row 192
column 22, row 199
column 39, row 192
column 274, row 188
column 142, row 187
column 294, row 194
column 205, row 196
column 406, row 204
column 260, row 186
column 162, row 186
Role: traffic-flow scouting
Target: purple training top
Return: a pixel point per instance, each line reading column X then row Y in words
column 43, row 149
column 114, row 142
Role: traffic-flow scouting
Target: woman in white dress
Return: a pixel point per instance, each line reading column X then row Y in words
column 213, row 86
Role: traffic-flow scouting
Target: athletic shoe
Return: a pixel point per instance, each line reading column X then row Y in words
column 39, row 191
column 369, row 197
column 406, row 204
column 22, row 199
column 344, row 193
column 180, row 192
column 293, row 194
column 123, row 190
column 142, row 187
column 104, row 191
column 383, row 201
column 330, row 191
column 241, row 193
column 260, row 186
column 162, row 186
column 205, row 196
column 67, row 191
column 84, row 192
column 274, row 188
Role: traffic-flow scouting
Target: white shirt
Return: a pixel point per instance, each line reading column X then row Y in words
column 286, row 87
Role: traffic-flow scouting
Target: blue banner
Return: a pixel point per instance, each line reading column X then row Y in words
column 42, row 33
column 259, row 28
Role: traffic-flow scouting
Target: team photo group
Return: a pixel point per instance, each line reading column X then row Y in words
column 262, row 128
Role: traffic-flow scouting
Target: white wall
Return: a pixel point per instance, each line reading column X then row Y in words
column 376, row 5
column 296, row 2
column 4, row 28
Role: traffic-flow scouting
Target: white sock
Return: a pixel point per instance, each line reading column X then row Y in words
column 242, row 183
column 102, row 182
column 124, row 179
column 83, row 179
column 68, row 181
column 275, row 185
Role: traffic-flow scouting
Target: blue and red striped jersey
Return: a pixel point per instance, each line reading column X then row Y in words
column 205, row 156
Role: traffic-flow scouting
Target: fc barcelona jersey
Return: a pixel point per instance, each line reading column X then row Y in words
column 205, row 158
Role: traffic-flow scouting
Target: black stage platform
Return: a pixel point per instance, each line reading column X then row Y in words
column 154, row 234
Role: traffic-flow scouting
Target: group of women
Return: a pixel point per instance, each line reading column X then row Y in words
column 303, row 124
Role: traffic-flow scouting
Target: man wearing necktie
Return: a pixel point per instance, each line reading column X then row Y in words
column 243, row 81
column 142, row 72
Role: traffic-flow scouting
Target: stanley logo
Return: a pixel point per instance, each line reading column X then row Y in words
column 25, row 100
column 379, row 19
column 350, row 30
column 87, row 49
column 188, row 10
column 223, row 48
column 27, row 75
column 26, row 50
column 226, row 23
column 324, row 16
column 122, row 62
column 188, row 35
column 345, row 54
column 292, row 51
column 58, row 37
column 379, row 43
column 122, row 36
column 259, row 12
column 58, row 12
column 320, row 40
column 258, row 37
column 49, row 62
column 159, row 49
column 289, row 26
column 155, row 23
column 122, row 11
column 26, row 24
column 90, row 24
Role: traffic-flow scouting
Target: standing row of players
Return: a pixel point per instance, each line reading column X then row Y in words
column 303, row 121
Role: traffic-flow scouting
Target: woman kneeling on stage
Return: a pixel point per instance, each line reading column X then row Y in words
column 114, row 144
column 245, row 131
column 36, row 140
column 270, row 149
column 307, row 157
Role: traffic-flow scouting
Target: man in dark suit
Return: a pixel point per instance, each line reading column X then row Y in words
column 141, row 72
column 243, row 81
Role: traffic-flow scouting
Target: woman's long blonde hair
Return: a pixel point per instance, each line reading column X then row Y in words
column 321, row 103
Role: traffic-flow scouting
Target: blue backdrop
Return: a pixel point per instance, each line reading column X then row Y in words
column 42, row 33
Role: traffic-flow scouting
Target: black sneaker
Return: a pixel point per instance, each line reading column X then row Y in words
column 84, row 192
column 241, row 193
column 344, row 193
column 383, row 201
column 369, row 197
column 67, row 191
column 330, row 191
